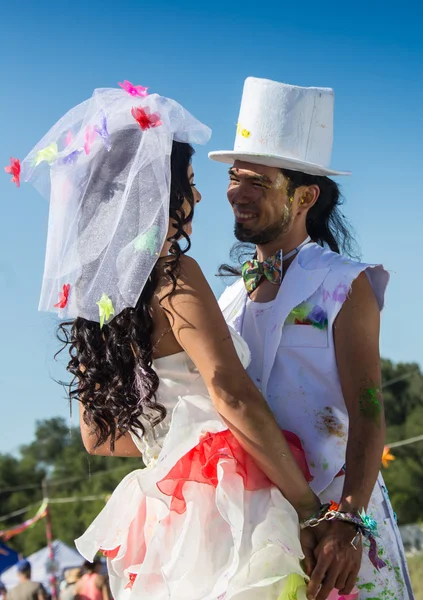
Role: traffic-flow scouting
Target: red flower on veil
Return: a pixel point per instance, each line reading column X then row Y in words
column 144, row 118
column 14, row 169
column 64, row 296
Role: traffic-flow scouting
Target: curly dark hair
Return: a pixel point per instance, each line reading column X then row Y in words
column 326, row 225
column 112, row 367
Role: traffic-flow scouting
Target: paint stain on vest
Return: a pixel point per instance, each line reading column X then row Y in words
column 339, row 294
column 237, row 324
column 328, row 423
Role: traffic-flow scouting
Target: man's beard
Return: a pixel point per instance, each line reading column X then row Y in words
column 266, row 235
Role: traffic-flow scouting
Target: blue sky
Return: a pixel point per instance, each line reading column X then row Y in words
column 199, row 54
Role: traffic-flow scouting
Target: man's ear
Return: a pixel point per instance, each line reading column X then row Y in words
column 307, row 196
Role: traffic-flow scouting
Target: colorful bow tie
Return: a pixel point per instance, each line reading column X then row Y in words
column 254, row 270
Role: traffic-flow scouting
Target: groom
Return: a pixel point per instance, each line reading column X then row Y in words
column 311, row 319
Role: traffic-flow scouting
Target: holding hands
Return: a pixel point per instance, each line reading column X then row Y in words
column 332, row 544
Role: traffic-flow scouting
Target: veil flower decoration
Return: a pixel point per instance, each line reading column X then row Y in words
column 14, row 169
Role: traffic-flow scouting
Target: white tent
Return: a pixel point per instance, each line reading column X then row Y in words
column 64, row 558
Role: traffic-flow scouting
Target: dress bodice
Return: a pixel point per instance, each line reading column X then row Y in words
column 178, row 377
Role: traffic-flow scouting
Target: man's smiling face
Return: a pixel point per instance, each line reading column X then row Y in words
column 260, row 201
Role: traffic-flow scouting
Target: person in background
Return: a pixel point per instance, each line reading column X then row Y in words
column 26, row 589
column 92, row 585
column 3, row 591
column 72, row 576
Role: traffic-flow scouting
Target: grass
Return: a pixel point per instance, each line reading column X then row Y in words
column 415, row 564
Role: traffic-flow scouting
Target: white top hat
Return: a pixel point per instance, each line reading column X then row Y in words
column 284, row 126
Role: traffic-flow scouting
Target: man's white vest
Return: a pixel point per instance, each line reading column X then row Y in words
column 300, row 377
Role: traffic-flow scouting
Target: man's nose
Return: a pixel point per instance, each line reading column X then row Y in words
column 239, row 196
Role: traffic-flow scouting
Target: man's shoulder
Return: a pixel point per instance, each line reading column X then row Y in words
column 340, row 265
column 343, row 270
column 315, row 256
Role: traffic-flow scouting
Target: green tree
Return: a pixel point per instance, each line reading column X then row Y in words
column 58, row 453
column 20, row 487
column 403, row 397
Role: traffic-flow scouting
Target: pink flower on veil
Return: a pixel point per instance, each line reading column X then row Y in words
column 134, row 90
column 90, row 135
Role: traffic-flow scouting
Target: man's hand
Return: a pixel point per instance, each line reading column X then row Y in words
column 337, row 563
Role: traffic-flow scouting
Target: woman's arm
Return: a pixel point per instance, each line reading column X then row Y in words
column 200, row 329
column 124, row 446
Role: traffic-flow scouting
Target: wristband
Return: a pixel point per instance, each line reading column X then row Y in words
column 365, row 526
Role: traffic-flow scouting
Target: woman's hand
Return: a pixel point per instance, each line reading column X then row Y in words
column 308, row 544
column 336, row 561
column 310, row 538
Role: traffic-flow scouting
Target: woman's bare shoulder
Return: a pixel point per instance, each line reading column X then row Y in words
column 187, row 278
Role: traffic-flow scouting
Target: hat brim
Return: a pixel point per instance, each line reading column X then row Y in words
column 271, row 160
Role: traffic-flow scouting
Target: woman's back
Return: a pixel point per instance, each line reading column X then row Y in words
column 202, row 513
column 179, row 378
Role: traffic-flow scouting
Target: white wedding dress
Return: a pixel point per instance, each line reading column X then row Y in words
column 200, row 522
